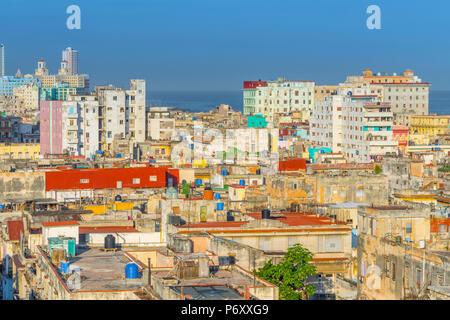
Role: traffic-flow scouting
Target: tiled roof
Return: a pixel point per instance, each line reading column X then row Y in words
column 59, row 223
column 14, row 228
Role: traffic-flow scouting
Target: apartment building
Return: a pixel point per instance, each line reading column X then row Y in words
column 122, row 113
column 406, row 92
column 430, row 125
column 160, row 124
column 10, row 129
column 27, row 97
column 394, row 261
column 8, row 83
column 355, row 125
column 282, row 96
column 80, row 125
column 50, row 80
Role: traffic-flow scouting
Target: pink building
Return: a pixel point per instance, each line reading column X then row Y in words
column 51, row 127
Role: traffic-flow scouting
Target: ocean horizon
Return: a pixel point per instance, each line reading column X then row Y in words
column 203, row 101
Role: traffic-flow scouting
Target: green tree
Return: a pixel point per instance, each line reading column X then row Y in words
column 378, row 169
column 291, row 273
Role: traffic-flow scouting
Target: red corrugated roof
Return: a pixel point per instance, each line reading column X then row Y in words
column 59, row 223
column 138, row 177
column 292, row 165
column 297, row 219
column 290, row 219
column 14, row 229
column 107, row 229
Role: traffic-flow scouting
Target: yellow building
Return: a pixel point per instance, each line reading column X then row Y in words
column 321, row 91
column 16, row 151
column 371, row 77
column 430, row 125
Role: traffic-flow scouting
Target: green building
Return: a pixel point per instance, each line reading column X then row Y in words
column 257, row 121
column 60, row 91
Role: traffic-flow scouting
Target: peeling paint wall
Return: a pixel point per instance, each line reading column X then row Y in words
column 21, row 185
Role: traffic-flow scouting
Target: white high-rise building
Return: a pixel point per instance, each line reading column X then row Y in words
column 71, row 56
column 80, row 125
column 123, row 112
column 270, row 98
column 356, row 125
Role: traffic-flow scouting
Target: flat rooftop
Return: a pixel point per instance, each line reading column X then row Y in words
column 209, row 293
column 103, row 271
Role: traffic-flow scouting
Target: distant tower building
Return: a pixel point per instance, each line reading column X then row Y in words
column 41, row 70
column 64, row 68
column 71, row 56
column 18, row 74
column 3, row 59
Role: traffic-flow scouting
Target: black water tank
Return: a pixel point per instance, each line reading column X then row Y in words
column 118, row 198
column 110, row 242
column 258, row 171
column 230, row 216
column 265, row 214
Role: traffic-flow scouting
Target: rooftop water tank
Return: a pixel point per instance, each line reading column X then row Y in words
column 217, row 195
column 110, row 242
column 219, row 206
column 131, row 271
column 230, row 216
column 242, row 182
column 265, row 214
column 65, row 267
column 208, row 194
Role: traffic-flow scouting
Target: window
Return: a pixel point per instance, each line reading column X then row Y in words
column 443, row 228
column 84, row 180
column 153, row 178
column 332, row 244
column 136, row 180
column 418, row 275
column 393, row 271
column 409, row 227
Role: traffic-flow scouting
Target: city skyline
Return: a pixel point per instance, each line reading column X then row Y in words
column 213, row 46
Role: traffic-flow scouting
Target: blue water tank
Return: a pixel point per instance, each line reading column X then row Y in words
column 198, row 182
column 2, row 207
column 224, row 172
column 220, row 206
column 242, row 182
column 131, row 271
column 217, row 196
column 65, row 267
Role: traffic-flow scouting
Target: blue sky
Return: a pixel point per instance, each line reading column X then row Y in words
column 215, row 45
